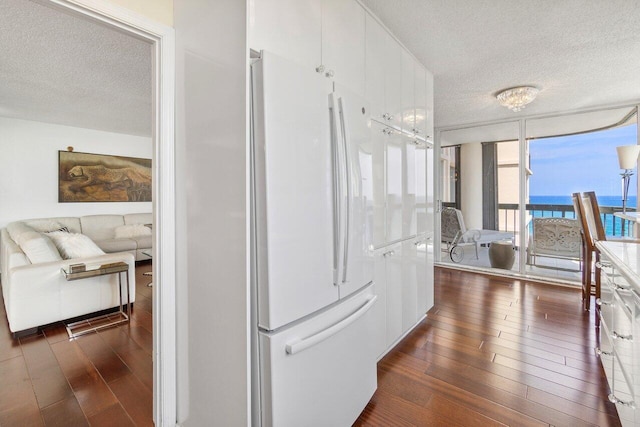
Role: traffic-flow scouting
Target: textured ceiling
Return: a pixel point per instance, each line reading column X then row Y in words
column 63, row 69
column 579, row 53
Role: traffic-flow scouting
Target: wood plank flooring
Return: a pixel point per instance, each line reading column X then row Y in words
column 98, row 379
column 492, row 352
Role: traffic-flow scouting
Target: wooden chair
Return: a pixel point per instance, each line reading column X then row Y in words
column 592, row 213
column 588, row 249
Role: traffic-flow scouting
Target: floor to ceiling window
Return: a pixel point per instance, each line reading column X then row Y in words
column 523, row 184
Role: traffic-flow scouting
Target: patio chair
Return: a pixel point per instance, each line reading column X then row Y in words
column 456, row 236
column 558, row 238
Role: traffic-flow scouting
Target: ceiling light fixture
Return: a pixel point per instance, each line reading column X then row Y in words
column 516, row 98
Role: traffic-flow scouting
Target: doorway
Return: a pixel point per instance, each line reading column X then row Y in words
column 161, row 41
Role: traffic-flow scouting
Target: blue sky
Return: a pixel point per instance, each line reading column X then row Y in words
column 585, row 162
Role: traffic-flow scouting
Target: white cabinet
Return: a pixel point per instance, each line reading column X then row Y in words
column 395, row 172
column 379, row 139
column 393, row 82
column 619, row 349
column 421, row 188
column 430, row 200
column 393, row 267
column 380, row 308
column 327, row 35
column 383, row 74
column 291, row 29
column 420, row 112
column 400, row 276
column 394, row 180
column 408, row 95
column 343, row 43
column 429, row 127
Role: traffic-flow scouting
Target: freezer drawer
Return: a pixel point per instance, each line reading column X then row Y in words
column 321, row 372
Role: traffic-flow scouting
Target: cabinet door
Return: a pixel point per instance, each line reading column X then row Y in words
column 410, row 265
column 343, row 43
column 392, row 81
column 375, row 48
column 428, row 284
column 379, row 140
column 380, row 309
column 289, row 28
column 394, row 269
column 430, row 200
column 408, row 93
column 420, row 79
column 429, row 111
column 394, row 179
column 421, row 189
column 408, row 188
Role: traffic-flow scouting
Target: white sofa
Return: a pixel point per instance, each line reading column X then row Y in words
column 37, row 293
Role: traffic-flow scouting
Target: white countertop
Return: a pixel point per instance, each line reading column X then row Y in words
column 626, row 257
column 630, row 216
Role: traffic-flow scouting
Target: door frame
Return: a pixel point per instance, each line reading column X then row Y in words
column 162, row 40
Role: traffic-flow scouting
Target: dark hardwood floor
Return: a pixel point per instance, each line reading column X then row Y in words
column 495, row 351
column 98, row 379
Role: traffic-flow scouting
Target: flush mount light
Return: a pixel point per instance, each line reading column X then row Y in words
column 516, row 98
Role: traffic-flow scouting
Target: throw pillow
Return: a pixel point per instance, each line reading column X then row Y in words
column 132, row 230
column 45, row 225
column 38, row 247
column 15, row 229
column 75, row 245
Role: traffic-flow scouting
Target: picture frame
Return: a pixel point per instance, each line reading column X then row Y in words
column 89, row 177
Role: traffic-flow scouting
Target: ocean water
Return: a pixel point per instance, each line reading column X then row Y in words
column 566, row 200
column 608, row 220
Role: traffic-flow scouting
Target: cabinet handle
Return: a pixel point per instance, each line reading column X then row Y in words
column 613, row 399
column 320, row 68
column 329, row 74
column 600, row 303
column 419, row 242
column 599, row 352
column 389, row 117
column 387, row 254
column 620, row 288
column 617, row 336
column 415, row 130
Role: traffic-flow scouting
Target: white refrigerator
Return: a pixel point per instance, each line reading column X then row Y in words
column 312, row 248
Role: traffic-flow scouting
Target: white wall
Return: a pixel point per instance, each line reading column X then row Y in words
column 29, row 168
column 158, row 10
column 471, row 184
column 211, row 140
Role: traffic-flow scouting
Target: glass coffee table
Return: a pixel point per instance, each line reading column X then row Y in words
column 81, row 271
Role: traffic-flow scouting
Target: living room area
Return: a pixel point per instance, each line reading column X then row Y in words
column 77, row 221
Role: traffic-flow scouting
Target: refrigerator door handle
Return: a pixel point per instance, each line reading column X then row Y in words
column 339, row 185
column 300, row 345
column 347, row 173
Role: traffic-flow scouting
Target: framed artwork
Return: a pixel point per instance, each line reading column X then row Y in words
column 85, row 177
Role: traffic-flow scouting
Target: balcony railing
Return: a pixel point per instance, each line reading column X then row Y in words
column 509, row 216
column 613, row 225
